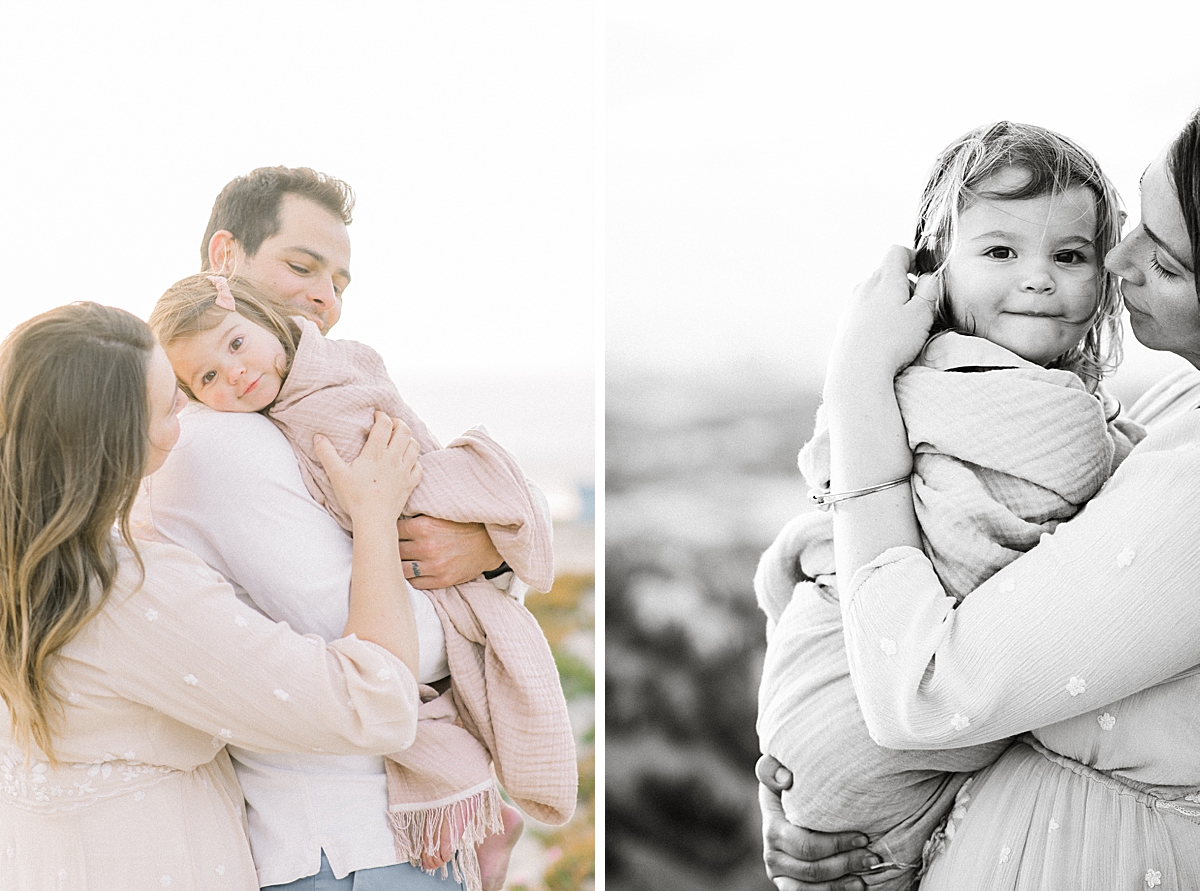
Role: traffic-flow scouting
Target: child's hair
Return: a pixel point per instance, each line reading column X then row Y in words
column 189, row 307
column 1054, row 164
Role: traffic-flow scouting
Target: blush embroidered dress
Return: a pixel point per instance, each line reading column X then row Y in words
column 1092, row 638
column 155, row 685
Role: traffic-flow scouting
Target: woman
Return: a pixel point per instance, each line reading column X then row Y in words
column 1091, row 640
column 126, row 666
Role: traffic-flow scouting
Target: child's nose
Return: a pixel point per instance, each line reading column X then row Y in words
column 1038, row 279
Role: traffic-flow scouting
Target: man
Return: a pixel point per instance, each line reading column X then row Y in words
column 232, row 493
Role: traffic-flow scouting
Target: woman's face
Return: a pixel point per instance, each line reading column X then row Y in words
column 1157, row 270
column 166, row 400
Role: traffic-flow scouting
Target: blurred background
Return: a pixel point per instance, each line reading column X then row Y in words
column 760, row 157
column 469, row 132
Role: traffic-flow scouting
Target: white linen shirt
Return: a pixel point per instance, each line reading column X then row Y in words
column 231, row 492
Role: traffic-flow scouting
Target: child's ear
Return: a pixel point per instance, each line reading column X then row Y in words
column 223, row 252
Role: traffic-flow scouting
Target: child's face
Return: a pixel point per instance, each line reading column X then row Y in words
column 1024, row 273
column 236, row 366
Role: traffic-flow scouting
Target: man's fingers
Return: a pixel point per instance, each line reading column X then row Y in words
column 772, row 774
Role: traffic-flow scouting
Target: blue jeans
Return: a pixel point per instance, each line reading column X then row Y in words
column 400, row 877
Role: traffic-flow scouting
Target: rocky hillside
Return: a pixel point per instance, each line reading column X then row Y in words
column 700, row 475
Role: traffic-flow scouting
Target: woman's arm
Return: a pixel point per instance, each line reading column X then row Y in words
column 880, row 333
column 373, row 490
column 1099, row 610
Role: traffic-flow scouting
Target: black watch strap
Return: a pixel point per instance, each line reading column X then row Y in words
column 498, row 571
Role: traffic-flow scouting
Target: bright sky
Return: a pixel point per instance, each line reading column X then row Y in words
column 761, row 156
column 468, row 131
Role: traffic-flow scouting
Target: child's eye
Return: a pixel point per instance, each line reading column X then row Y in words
column 236, row 343
column 208, row 377
column 1000, row 253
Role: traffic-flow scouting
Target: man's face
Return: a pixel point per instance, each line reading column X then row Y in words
column 306, row 263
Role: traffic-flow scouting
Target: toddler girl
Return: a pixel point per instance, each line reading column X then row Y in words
column 233, row 349
column 1011, row 435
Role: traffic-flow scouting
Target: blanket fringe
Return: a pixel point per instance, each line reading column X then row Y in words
column 470, row 819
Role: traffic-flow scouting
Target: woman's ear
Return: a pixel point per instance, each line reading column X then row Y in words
column 223, row 252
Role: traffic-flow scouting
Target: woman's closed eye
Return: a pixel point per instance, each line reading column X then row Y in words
column 298, row 269
column 1159, row 268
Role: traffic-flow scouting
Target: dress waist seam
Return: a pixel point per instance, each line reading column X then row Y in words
column 1187, row 806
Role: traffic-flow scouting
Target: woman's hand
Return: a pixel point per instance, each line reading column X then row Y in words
column 886, row 322
column 379, row 481
column 798, row 858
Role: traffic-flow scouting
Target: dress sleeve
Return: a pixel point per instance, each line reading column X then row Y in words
column 185, row 646
column 1102, row 608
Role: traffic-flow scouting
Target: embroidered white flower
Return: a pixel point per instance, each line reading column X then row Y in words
column 139, row 795
column 62, row 875
column 152, row 615
column 1075, row 686
column 1125, row 557
column 166, row 881
column 960, row 722
column 226, row 733
column 282, row 695
column 1005, row 852
column 1053, row 826
column 220, row 870
column 1008, row 586
column 74, row 698
column 11, row 853
column 888, row 646
column 217, row 743
column 384, row 674
column 191, row 680
column 240, row 621
column 130, row 755
column 1106, row 721
column 1153, row 878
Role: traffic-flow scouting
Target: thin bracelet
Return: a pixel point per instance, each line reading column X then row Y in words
column 826, row 500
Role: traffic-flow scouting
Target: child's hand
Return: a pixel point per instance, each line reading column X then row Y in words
column 377, row 484
column 887, row 321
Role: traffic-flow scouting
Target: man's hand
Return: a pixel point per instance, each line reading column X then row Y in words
column 798, row 858
column 446, row 553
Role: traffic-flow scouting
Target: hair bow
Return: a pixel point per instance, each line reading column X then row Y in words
column 224, row 295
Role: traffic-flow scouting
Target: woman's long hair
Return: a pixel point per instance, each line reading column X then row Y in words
column 1183, row 166
column 74, row 444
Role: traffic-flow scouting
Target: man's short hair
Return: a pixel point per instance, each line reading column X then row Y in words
column 248, row 206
